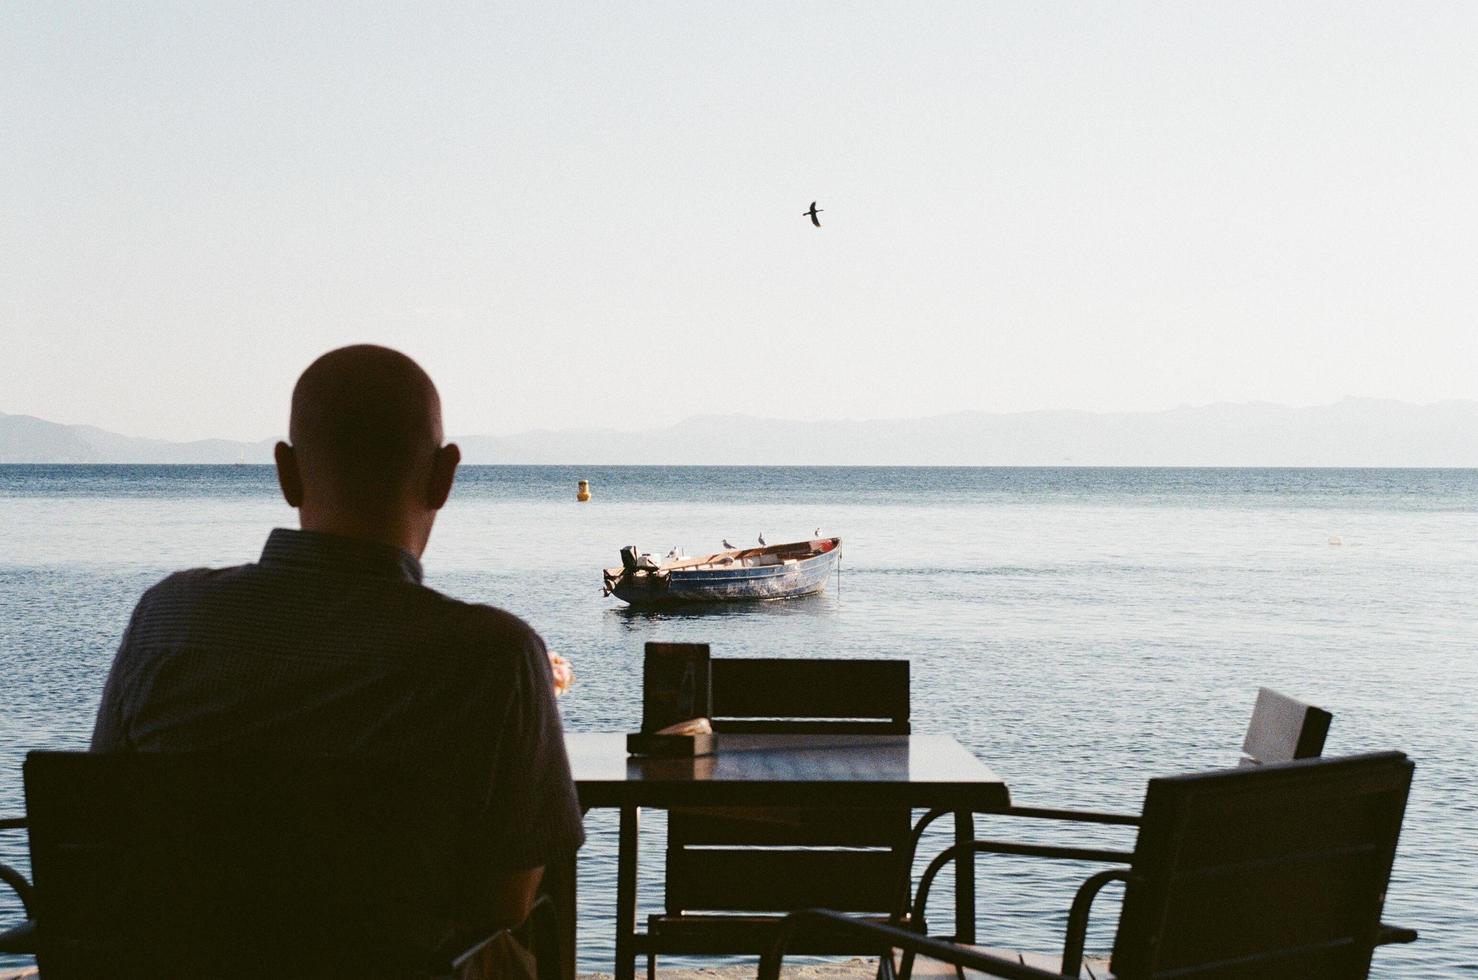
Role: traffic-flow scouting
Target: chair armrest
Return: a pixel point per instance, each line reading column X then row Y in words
column 19, row 940
column 1389, row 934
column 1053, row 851
column 926, row 881
column 1077, row 919
column 922, row 825
column 890, row 938
column 1075, row 816
column 901, row 907
column 18, row 883
column 917, row 919
column 1042, row 813
column 1037, row 813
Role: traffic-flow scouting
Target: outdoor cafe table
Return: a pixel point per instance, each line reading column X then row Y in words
column 883, row 771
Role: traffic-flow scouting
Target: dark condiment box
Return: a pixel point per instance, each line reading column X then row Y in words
column 674, row 746
column 675, row 688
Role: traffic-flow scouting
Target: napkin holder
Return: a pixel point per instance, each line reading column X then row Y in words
column 675, row 696
column 671, row 746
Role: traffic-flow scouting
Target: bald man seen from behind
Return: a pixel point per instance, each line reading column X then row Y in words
column 330, row 645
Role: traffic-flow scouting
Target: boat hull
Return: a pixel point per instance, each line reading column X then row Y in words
column 733, row 583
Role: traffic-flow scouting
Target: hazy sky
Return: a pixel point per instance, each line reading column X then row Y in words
column 591, row 215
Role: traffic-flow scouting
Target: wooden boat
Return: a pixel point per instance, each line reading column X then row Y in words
column 777, row 571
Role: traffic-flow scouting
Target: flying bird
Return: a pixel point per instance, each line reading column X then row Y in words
column 762, row 539
column 813, row 213
column 727, row 545
column 816, row 533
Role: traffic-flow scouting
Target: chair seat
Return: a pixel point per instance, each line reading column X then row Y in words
column 736, row 934
column 1094, row 968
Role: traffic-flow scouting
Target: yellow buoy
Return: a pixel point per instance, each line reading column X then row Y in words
column 583, row 494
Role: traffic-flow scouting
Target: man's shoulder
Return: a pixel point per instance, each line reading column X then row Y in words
column 478, row 627
column 166, row 610
column 443, row 628
column 184, row 583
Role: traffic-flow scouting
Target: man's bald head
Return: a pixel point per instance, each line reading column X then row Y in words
column 366, row 424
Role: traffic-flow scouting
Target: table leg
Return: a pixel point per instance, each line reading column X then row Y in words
column 965, row 880
column 626, row 894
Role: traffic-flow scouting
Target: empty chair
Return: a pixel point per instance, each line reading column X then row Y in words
column 732, row 873
column 1281, row 729
column 1278, row 871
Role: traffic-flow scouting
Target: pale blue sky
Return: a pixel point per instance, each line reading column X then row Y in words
column 591, row 215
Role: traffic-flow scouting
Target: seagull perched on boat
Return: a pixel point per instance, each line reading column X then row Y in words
column 812, row 214
column 727, row 545
column 762, row 539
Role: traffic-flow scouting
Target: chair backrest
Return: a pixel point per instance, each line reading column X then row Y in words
column 783, row 859
column 150, row 865
column 1283, row 729
column 852, row 697
column 1278, row 871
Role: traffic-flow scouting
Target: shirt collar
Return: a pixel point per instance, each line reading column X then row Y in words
column 315, row 549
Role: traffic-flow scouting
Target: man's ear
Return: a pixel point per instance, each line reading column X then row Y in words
column 443, row 473
column 288, row 477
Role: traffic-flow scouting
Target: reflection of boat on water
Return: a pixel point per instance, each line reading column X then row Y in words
column 777, row 571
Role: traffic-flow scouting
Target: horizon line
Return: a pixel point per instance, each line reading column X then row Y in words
column 808, row 466
column 1184, row 406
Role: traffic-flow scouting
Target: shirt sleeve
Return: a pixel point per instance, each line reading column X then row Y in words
column 533, row 812
column 110, row 730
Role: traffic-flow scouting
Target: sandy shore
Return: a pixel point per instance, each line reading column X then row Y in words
column 849, row 970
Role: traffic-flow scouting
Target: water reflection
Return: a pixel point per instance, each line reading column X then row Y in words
column 811, row 605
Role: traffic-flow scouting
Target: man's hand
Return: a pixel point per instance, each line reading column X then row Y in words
column 513, row 897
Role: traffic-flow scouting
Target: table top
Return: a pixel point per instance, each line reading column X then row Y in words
column 775, row 770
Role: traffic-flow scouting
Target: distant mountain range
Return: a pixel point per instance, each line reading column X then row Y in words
column 1352, row 432
column 27, row 439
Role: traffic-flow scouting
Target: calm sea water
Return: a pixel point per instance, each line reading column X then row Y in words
column 1080, row 629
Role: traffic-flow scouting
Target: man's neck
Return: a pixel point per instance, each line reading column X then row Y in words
column 400, row 532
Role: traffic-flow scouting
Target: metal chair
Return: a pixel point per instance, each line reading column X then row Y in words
column 1275, row 872
column 732, row 873
column 1281, row 729
column 150, row 865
